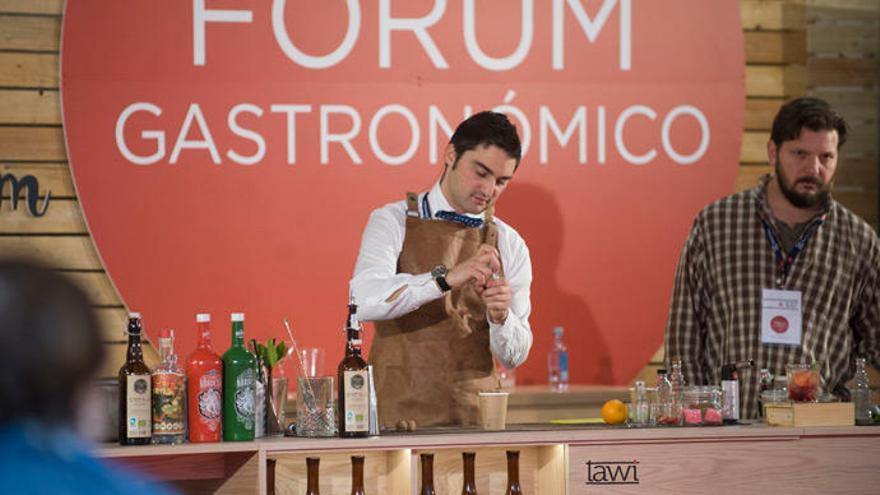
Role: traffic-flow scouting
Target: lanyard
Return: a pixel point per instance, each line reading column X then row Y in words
column 426, row 208
column 785, row 261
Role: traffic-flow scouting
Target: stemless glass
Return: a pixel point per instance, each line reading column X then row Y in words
column 803, row 383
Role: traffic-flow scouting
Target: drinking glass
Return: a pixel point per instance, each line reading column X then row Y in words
column 315, row 407
column 803, row 383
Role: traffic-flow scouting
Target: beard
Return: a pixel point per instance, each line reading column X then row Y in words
column 802, row 200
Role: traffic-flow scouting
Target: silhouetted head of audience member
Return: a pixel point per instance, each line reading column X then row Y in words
column 51, row 345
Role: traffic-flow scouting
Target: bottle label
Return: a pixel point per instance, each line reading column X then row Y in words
column 211, row 400
column 357, row 400
column 730, row 399
column 563, row 366
column 168, row 399
column 137, row 407
column 244, row 399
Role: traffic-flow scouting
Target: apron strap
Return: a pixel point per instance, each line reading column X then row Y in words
column 412, row 204
column 490, row 234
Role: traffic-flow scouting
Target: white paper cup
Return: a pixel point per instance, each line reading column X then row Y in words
column 493, row 410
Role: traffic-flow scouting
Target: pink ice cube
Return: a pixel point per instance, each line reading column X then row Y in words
column 692, row 416
column 712, row 416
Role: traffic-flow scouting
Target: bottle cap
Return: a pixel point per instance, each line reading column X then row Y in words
column 134, row 315
column 661, row 371
column 558, row 331
column 167, row 333
column 237, row 316
column 203, row 317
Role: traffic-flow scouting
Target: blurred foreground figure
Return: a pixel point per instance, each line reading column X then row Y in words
column 52, row 351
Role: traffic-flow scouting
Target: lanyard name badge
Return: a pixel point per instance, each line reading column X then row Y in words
column 781, row 310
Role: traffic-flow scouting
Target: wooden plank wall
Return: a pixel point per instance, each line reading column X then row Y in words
column 843, row 45
column 32, row 143
column 792, row 46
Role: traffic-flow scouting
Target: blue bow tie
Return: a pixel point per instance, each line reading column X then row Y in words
column 457, row 217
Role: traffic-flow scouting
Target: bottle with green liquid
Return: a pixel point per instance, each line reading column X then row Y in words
column 239, row 377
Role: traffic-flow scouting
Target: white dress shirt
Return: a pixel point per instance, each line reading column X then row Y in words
column 376, row 278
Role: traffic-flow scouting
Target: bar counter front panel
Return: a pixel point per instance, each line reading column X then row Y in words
column 554, row 460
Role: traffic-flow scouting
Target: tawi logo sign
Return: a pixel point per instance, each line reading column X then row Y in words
column 227, row 152
column 612, row 473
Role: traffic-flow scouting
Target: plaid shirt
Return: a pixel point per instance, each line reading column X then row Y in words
column 715, row 314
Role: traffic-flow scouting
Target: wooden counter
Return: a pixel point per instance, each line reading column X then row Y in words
column 554, row 460
column 536, row 403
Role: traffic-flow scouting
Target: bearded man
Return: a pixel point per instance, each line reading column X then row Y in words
column 781, row 273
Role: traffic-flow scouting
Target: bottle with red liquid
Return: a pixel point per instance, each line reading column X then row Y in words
column 204, row 371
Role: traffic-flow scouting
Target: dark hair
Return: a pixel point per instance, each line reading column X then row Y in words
column 484, row 129
column 52, row 342
column 813, row 113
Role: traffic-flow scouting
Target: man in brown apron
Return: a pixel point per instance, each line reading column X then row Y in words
column 447, row 284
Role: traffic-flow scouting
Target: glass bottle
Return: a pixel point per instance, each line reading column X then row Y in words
column 730, row 393
column 427, row 474
column 354, row 382
column 169, row 394
column 204, row 372
column 238, row 386
column 557, row 363
column 676, row 387
column 134, row 390
column 357, row 475
column 664, row 388
column 469, row 485
column 861, row 394
column 312, row 476
column 641, row 407
column 513, row 487
column 765, row 382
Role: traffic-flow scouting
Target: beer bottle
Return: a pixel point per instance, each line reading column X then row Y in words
column 513, row 487
column 204, row 371
column 354, row 384
column 469, row 486
column 427, row 474
column 238, row 386
column 169, row 394
column 312, row 464
column 134, row 390
column 357, row 475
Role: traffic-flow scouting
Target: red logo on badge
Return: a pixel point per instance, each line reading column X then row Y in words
column 227, row 153
column 779, row 324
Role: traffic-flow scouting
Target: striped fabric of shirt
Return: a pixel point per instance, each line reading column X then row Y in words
column 715, row 313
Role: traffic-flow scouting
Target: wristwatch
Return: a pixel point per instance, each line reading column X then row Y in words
column 439, row 273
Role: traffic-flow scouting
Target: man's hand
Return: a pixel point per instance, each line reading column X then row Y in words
column 497, row 296
column 477, row 270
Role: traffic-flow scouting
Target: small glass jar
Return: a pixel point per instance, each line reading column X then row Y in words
column 702, row 406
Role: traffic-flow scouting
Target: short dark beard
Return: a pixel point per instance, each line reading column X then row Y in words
column 797, row 199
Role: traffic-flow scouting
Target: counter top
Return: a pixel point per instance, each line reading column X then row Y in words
column 517, row 434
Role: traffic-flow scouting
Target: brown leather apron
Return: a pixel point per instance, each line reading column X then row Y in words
column 430, row 364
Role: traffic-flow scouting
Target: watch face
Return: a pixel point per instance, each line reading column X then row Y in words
column 438, row 271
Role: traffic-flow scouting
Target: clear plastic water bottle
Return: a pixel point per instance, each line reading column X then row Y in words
column 557, row 363
column 861, row 393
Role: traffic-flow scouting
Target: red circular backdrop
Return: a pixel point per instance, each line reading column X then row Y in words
column 227, row 153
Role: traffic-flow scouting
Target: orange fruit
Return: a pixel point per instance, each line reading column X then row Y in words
column 614, row 412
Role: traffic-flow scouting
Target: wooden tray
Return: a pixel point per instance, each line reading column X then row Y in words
column 810, row 414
